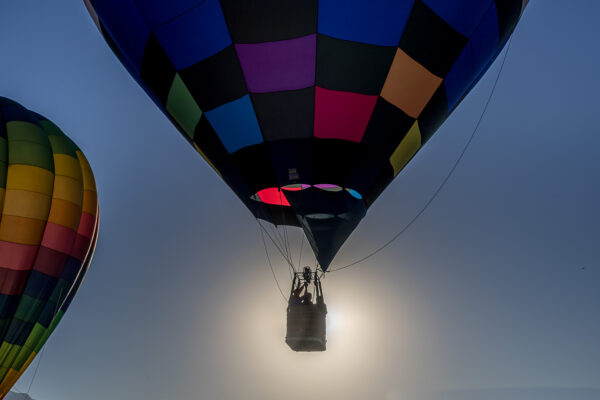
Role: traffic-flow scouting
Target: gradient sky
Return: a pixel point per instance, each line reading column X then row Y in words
column 493, row 294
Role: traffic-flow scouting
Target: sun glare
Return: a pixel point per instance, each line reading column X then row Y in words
column 334, row 321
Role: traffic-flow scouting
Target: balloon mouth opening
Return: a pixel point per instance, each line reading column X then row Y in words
column 276, row 195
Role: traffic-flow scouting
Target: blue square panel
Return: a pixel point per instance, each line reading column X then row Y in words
column 127, row 27
column 460, row 77
column 195, row 35
column 462, row 15
column 378, row 22
column 475, row 58
column 159, row 12
column 484, row 41
column 235, row 123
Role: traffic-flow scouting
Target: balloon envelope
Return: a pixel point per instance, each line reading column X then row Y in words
column 48, row 230
column 308, row 109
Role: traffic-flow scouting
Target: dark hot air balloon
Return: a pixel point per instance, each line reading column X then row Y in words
column 307, row 109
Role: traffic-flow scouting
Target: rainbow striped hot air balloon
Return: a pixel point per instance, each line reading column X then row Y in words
column 48, row 231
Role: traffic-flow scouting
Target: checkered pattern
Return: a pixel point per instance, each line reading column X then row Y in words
column 343, row 92
column 48, row 226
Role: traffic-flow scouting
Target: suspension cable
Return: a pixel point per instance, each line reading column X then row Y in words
column 262, row 235
column 285, row 232
column 41, row 355
column 446, row 179
column 283, row 254
column 301, row 248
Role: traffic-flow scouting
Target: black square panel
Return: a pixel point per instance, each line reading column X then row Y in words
column 207, row 140
column 351, row 66
column 330, row 160
column 285, row 115
column 434, row 114
column 157, row 70
column 385, row 177
column 387, row 128
column 431, row 41
column 257, row 21
column 216, row 80
column 509, row 12
column 254, row 166
column 292, row 160
column 365, row 168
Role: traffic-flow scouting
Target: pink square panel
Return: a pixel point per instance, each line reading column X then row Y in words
column 17, row 256
column 342, row 115
column 58, row 237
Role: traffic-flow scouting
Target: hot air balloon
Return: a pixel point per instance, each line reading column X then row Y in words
column 48, row 231
column 307, row 109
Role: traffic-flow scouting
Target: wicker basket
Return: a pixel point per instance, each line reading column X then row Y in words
column 306, row 329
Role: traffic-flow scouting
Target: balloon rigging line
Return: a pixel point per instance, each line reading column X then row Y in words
column 37, row 367
column 286, row 245
column 271, row 266
column 287, row 242
column 288, row 253
column 36, row 370
column 17, row 390
column 280, row 242
column 290, row 265
column 285, row 234
column 446, row 179
column 276, row 234
column 301, row 248
column 275, row 244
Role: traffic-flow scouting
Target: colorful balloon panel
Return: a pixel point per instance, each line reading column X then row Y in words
column 279, row 92
column 48, row 228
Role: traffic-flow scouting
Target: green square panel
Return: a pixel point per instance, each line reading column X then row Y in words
column 182, row 106
column 28, row 153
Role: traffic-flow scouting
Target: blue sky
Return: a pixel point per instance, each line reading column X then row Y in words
column 483, row 298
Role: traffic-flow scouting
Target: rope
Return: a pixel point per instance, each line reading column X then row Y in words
column 286, row 240
column 301, row 248
column 44, row 347
column 262, row 235
column 279, row 237
column 446, row 179
column 276, row 237
column 275, row 244
column 36, row 370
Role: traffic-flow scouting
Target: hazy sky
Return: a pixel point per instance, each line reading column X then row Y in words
column 484, row 298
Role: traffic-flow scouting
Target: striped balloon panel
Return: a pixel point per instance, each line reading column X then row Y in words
column 279, row 92
column 48, row 222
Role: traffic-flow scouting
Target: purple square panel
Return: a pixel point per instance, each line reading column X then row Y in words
column 278, row 66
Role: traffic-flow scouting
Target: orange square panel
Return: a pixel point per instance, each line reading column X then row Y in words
column 409, row 86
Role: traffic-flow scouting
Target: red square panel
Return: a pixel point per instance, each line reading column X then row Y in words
column 50, row 262
column 12, row 281
column 80, row 247
column 342, row 115
column 86, row 225
column 17, row 256
column 58, row 237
